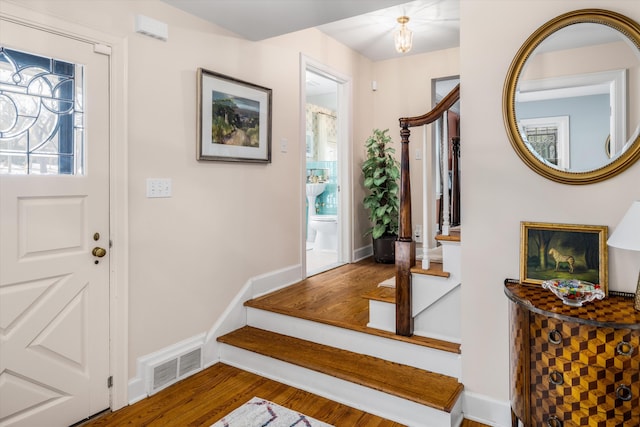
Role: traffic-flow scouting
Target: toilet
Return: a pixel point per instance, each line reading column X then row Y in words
column 325, row 228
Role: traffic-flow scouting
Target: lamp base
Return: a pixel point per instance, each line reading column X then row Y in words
column 636, row 305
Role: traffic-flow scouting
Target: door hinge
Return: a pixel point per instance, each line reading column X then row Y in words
column 110, row 381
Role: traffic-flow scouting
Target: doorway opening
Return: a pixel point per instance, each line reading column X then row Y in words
column 326, row 227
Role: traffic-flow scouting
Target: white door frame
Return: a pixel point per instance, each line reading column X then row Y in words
column 118, row 268
column 345, row 177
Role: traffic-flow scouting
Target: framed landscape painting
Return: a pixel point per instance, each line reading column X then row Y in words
column 563, row 251
column 233, row 119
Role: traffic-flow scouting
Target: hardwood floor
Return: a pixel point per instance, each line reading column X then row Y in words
column 333, row 297
column 207, row 396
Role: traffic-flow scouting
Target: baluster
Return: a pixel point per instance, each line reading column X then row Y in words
column 455, row 182
column 426, row 217
column 444, row 158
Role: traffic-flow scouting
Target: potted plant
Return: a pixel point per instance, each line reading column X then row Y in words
column 381, row 173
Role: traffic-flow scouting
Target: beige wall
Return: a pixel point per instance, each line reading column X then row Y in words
column 191, row 254
column 499, row 191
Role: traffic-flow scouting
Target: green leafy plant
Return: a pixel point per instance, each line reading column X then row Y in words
column 381, row 174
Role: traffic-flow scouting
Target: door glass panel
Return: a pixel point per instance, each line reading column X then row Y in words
column 41, row 115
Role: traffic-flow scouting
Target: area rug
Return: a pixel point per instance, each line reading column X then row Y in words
column 263, row 413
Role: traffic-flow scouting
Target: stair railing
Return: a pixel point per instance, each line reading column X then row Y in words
column 405, row 246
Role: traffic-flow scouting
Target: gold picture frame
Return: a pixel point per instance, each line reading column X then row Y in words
column 563, row 251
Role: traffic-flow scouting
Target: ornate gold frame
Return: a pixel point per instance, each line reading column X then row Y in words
column 619, row 22
column 600, row 231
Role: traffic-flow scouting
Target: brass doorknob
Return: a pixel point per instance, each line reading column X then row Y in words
column 99, row 252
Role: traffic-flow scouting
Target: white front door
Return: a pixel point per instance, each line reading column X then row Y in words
column 54, row 210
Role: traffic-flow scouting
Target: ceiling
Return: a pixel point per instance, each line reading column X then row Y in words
column 366, row 26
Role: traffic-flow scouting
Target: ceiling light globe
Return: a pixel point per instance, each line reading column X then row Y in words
column 404, row 36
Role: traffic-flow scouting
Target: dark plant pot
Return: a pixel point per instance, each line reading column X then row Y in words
column 384, row 249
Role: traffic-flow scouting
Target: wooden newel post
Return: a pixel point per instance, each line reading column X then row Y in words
column 405, row 247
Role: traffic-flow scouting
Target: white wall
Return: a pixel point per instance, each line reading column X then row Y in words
column 499, row 191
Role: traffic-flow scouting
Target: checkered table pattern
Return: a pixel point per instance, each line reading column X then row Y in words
column 573, row 366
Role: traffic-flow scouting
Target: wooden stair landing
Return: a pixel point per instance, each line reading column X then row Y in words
column 427, row 388
column 335, row 298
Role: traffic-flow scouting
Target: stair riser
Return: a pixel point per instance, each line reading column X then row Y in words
column 451, row 259
column 363, row 398
column 426, row 290
column 421, row 357
column 441, row 320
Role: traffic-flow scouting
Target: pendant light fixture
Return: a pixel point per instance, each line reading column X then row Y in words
column 404, row 36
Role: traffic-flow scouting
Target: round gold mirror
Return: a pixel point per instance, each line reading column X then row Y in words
column 566, row 101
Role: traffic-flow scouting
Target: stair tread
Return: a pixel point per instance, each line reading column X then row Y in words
column 434, row 343
column 435, row 269
column 424, row 387
column 382, row 293
column 454, row 236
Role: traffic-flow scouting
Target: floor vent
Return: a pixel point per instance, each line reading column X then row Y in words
column 190, row 362
column 165, row 374
column 171, row 365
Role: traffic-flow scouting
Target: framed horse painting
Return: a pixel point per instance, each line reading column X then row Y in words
column 563, row 251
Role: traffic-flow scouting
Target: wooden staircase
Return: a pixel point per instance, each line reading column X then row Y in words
column 307, row 343
column 426, row 395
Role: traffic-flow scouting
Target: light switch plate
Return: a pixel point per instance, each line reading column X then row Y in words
column 158, row 187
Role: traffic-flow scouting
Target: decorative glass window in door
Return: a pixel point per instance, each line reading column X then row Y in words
column 544, row 141
column 548, row 138
column 41, row 115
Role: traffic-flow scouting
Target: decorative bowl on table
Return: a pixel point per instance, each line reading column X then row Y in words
column 574, row 292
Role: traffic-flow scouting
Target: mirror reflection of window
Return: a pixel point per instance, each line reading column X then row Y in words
column 549, row 138
column 310, row 146
column 544, row 142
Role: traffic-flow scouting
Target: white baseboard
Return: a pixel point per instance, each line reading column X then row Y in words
column 235, row 315
column 141, row 385
column 362, row 253
column 486, row 410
